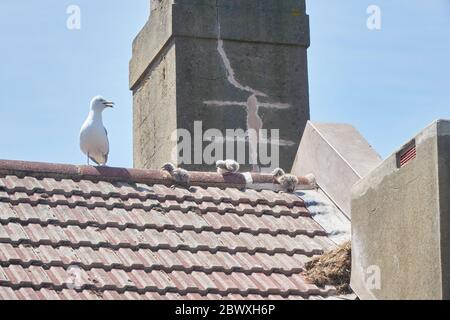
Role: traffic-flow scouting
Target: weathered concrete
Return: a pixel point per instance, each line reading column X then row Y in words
column 401, row 223
column 338, row 156
column 231, row 64
column 154, row 114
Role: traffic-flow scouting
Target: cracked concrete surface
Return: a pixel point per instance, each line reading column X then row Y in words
column 186, row 62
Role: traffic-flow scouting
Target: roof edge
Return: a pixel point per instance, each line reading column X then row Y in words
column 113, row 174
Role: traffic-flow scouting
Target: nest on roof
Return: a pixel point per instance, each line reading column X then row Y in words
column 332, row 269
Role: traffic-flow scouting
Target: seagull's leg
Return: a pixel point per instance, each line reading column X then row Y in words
column 88, row 159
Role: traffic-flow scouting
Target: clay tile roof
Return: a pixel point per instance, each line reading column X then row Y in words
column 78, row 232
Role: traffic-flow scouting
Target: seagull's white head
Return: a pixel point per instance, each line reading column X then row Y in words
column 169, row 167
column 278, row 172
column 99, row 104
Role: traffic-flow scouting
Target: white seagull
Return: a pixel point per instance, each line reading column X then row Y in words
column 93, row 135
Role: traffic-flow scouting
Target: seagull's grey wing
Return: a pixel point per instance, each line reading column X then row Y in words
column 107, row 153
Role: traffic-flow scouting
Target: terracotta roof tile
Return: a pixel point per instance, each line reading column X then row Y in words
column 78, row 232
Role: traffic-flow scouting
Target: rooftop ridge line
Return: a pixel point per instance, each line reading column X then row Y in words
column 115, row 174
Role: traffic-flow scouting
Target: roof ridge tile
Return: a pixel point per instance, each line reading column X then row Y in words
column 42, row 170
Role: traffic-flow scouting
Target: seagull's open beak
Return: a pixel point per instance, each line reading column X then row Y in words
column 109, row 104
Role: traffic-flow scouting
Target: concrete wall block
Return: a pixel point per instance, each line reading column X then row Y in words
column 154, row 116
column 338, row 156
column 150, row 42
column 400, row 220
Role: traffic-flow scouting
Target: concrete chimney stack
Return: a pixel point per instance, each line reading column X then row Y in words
column 223, row 65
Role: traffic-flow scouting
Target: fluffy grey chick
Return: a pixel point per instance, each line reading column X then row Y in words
column 287, row 181
column 311, row 179
column 180, row 176
column 227, row 167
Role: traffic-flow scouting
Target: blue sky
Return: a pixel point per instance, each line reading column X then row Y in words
column 389, row 83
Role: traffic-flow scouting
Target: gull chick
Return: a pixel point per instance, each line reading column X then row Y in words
column 227, row 167
column 180, row 176
column 93, row 136
column 311, row 178
column 287, row 181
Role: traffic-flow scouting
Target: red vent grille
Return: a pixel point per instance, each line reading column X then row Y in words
column 407, row 154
